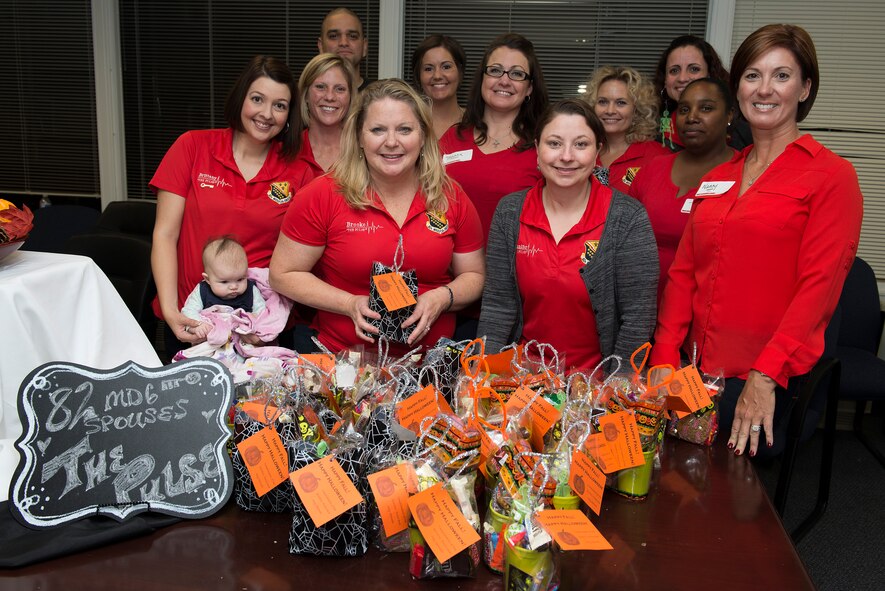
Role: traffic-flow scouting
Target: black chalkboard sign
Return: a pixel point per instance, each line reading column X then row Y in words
column 122, row 441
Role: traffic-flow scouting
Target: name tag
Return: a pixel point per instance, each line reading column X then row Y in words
column 686, row 206
column 714, row 188
column 462, row 156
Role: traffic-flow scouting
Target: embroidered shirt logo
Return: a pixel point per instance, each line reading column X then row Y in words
column 528, row 249
column 279, row 192
column 437, row 222
column 631, row 174
column 590, row 248
column 210, row 181
column 368, row 227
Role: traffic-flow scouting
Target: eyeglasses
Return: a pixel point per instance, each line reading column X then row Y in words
column 515, row 75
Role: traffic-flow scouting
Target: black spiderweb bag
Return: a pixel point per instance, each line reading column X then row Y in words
column 390, row 324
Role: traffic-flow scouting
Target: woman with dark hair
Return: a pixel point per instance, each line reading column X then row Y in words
column 388, row 186
column 625, row 103
column 665, row 186
column 438, row 65
column 571, row 262
column 769, row 242
column 238, row 181
column 688, row 58
column 491, row 152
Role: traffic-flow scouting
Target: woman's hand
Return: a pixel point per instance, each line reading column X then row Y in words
column 358, row 310
column 430, row 305
column 184, row 328
column 753, row 414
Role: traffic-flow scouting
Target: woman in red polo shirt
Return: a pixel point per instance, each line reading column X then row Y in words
column 689, row 58
column 768, row 245
column 326, row 88
column 236, row 181
column 571, row 262
column 666, row 185
column 625, row 103
column 389, row 184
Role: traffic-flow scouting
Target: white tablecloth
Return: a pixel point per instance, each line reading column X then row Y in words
column 57, row 308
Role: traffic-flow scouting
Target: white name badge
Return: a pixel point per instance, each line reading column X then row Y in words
column 714, row 188
column 462, row 156
column 686, row 206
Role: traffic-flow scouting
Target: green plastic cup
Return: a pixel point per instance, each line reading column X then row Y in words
column 492, row 539
column 567, row 502
column 634, row 482
column 527, row 569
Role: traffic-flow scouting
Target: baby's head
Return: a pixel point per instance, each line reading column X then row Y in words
column 224, row 267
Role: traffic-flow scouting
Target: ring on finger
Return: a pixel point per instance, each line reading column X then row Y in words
column 187, row 329
column 756, row 428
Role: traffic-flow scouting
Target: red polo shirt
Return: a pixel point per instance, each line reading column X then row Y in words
column 556, row 308
column 353, row 239
column 756, row 278
column 306, row 159
column 487, row 177
column 200, row 167
column 624, row 169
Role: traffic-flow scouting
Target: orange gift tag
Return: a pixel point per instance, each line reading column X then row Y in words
column 427, row 402
column 393, row 291
column 688, row 386
column 542, row 413
column 325, row 489
column 499, row 363
column 622, row 436
column 265, row 458
column 600, row 451
column 587, row 480
column 572, row 530
column 443, row 526
column 392, row 488
column 263, row 413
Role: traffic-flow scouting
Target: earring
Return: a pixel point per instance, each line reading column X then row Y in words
column 285, row 129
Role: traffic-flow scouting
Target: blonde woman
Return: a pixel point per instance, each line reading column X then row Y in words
column 388, row 183
column 327, row 90
column 626, row 104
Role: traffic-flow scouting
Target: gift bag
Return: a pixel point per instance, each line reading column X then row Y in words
column 278, row 499
column 701, row 426
column 347, row 534
column 390, row 324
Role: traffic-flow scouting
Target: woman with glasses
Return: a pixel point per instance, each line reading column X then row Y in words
column 625, row 103
column 437, row 71
column 491, row 152
column 571, row 262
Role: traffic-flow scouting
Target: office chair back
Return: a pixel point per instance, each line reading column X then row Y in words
column 861, row 316
column 134, row 217
column 55, row 224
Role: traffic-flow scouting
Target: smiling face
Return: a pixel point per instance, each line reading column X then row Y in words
column 391, row 139
column 439, row 74
column 503, row 94
column 614, row 107
column 265, row 110
column 702, row 117
column 328, row 98
column 770, row 90
column 567, row 151
column 684, row 64
column 342, row 34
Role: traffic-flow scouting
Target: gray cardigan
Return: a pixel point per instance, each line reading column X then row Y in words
column 621, row 278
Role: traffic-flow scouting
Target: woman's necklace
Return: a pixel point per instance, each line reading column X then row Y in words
column 496, row 142
column 758, row 174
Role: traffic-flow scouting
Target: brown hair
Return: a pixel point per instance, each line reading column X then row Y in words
column 573, row 106
column 715, row 69
column 794, row 39
column 225, row 248
column 431, row 42
column 277, row 70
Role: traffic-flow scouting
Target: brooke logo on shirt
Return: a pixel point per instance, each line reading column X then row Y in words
column 210, row 181
column 280, row 192
column 437, row 222
column 527, row 249
column 590, row 248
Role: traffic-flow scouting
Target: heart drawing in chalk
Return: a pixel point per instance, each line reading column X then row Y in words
column 43, row 445
column 207, row 414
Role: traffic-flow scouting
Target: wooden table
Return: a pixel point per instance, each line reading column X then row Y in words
column 707, row 523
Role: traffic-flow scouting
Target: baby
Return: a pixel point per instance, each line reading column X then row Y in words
column 225, row 267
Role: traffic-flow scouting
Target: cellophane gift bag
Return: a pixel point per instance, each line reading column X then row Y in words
column 390, row 324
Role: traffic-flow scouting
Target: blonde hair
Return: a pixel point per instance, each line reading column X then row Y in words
column 315, row 68
column 642, row 93
column 351, row 172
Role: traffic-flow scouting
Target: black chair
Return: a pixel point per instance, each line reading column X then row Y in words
column 863, row 372
column 134, row 217
column 126, row 260
column 55, row 224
